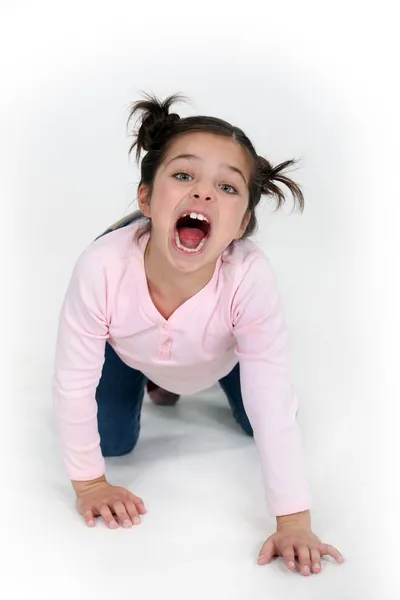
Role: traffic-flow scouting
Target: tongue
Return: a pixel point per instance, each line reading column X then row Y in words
column 190, row 237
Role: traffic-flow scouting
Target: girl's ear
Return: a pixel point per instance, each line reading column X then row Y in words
column 243, row 226
column 144, row 200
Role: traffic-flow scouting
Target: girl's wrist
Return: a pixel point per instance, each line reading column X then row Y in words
column 83, row 486
column 302, row 519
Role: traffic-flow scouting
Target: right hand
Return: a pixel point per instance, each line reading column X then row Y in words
column 99, row 498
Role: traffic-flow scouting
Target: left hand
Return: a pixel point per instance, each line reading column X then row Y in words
column 297, row 540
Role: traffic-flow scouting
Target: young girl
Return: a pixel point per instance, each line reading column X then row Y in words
column 175, row 297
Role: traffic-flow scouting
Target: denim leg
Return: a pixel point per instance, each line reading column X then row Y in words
column 231, row 386
column 120, row 392
column 119, row 397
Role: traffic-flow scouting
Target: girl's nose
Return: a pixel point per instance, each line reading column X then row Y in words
column 207, row 198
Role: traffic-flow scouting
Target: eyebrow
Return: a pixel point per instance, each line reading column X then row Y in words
column 193, row 156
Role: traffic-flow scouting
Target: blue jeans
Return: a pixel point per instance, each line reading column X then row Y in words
column 120, row 393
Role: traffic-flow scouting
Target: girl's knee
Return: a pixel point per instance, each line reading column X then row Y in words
column 110, row 448
column 243, row 420
column 248, row 430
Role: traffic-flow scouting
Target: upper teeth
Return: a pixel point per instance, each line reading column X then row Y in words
column 194, row 215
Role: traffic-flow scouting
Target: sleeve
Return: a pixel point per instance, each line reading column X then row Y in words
column 79, row 358
column 268, row 396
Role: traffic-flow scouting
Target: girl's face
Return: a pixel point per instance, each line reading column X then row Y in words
column 203, row 175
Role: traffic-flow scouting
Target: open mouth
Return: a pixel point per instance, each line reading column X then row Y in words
column 192, row 231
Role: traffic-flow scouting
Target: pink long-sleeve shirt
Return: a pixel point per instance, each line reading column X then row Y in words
column 237, row 316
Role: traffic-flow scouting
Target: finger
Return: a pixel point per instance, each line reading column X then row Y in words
column 288, row 557
column 107, row 516
column 328, row 550
column 138, row 503
column 133, row 512
column 120, row 511
column 141, row 508
column 303, row 552
column 266, row 552
column 315, row 560
column 89, row 518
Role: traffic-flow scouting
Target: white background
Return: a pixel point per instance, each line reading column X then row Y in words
column 312, row 80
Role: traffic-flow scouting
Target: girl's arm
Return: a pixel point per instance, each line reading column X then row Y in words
column 82, row 334
column 268, row 396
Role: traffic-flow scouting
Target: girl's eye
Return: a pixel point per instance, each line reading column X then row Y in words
column 226, row 185
column 181, row 173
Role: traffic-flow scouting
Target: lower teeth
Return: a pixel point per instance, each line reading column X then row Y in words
column 178, row 243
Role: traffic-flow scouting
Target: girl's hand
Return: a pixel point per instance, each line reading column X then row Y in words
column 103, row 499
column 297, row 540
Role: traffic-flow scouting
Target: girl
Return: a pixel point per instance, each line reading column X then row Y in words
column 176, row 297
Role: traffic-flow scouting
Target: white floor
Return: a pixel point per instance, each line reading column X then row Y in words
column 200, row 478
column 303, row 81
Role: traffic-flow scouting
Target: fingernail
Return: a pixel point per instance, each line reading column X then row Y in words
column 261, row 556
column 113, row 524
column 91, row 523
column 306, row 570
column 291, row 564
column 136, row 520
column 317, row 565
column 127, row 523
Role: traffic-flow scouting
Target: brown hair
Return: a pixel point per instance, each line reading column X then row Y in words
column 159, row 128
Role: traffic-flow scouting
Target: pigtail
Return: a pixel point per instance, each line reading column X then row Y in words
column 155, row 122
column 267, row 177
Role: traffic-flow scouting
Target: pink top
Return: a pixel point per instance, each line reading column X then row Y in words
column 237, row 316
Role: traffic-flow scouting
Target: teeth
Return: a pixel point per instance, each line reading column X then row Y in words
column 198, row 216
column 178, row 243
